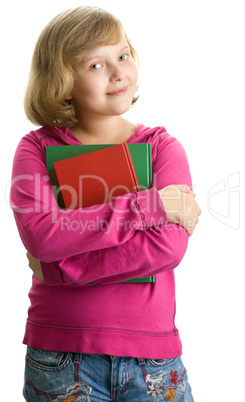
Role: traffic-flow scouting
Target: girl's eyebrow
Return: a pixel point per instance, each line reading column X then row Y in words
column 95, row 56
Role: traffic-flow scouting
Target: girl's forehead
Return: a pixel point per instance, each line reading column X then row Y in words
column 111, row 45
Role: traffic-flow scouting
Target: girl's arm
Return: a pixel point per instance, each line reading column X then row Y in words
column 51, row 234
column 148, row 252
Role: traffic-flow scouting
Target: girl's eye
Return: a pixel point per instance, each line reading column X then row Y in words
column 95, row 66
column 123, row 57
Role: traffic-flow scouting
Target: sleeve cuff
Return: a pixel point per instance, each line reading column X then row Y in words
column 51, row 273
column 150, row 207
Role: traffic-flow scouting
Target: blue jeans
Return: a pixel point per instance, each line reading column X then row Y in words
column 70, row 377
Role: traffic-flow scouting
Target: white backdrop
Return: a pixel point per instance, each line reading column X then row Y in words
column 192, row 82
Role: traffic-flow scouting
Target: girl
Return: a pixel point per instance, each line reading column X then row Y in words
column 106, row 341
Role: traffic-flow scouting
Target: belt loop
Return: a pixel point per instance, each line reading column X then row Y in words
column 112, row 357
column 77, row 357
column 140, row 361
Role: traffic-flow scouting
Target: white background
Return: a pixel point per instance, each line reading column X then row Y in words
column 192, row 82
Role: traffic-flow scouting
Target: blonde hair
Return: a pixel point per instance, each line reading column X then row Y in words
column 61, row 44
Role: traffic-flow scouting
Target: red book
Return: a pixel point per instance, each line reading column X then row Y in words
column 97, row 177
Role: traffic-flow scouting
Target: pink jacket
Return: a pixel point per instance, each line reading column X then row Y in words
column 115, row 242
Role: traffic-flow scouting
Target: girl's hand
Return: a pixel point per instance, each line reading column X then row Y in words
column 180, row 206
column 35, row 266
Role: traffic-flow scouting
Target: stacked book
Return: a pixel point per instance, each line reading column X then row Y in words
column 89, row 175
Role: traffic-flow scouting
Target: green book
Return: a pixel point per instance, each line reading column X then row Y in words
column 141, row 157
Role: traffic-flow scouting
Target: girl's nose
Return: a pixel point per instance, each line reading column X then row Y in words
column 117, row 73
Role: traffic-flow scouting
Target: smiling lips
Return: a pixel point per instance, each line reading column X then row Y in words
column 119, row 91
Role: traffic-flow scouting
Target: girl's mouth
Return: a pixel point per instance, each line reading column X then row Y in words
column 119, row 91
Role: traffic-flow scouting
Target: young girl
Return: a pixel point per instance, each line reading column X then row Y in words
column 105, row 341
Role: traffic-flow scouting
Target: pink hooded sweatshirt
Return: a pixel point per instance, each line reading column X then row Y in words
column 126, row 238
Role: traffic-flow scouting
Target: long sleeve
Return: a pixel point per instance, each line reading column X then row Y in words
column 51, row 234
column 158, row 248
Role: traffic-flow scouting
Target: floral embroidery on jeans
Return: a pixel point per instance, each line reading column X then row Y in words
column 153, row 384
column 158, row 388
column 170, row 394
column 76, row 392
column 174, row 377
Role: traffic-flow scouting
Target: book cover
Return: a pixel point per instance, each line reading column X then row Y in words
column 141, row 158
column 97, row 177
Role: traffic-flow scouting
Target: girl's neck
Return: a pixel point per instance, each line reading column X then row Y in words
column 110, row 130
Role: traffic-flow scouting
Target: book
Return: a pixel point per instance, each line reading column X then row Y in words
column 138, row 161
column 97, row 177
column 140, row 154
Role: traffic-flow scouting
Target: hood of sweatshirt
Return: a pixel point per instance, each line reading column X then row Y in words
column 67, row 137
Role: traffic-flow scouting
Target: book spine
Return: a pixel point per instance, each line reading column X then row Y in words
column 131, row 167
column 149, row 184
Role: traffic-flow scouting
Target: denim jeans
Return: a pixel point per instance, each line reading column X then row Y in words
column 70, row 377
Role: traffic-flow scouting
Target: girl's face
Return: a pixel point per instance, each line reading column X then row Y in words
column 105, row 81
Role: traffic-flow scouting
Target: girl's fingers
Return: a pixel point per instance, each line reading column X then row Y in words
column 185, row 189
